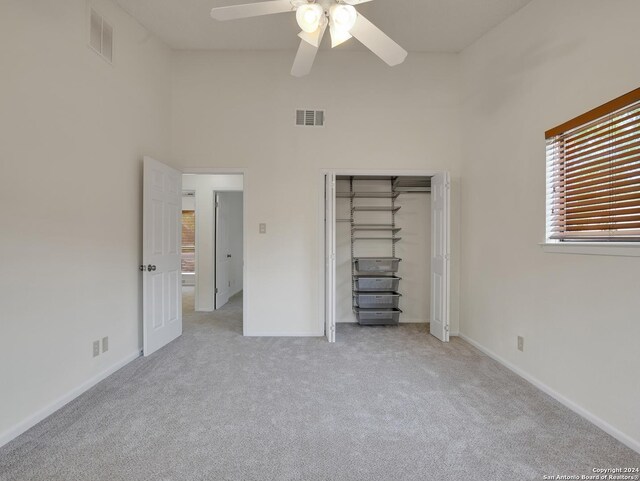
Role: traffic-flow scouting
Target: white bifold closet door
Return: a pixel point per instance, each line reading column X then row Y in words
column 440, row 257
column 161, row 250
column 330, row 257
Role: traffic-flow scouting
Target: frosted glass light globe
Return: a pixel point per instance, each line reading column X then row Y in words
column 309, row 16
column 343, row 17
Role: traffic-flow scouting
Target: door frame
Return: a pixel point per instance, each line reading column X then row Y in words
column 245, row 225
column 321, row 225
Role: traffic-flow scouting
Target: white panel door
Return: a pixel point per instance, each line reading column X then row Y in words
column 162, row 237
column 222, row 251
column 330, row 257
column 440, row 257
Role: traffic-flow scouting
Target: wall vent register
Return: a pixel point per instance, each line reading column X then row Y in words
column 310, row 118
column 101, row 36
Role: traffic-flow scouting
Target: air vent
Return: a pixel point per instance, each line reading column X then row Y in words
column 310, row 118
column 101, row 36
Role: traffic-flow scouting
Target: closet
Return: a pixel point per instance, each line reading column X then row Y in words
column 383, row 249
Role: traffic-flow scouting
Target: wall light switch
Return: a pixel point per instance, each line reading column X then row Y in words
column 96, row 348
column 520, row 343
column 105, row 344
column 263, row 228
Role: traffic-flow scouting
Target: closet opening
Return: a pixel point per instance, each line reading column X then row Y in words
column 387, row 251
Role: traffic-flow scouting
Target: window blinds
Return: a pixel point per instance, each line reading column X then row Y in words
column 593, row 174
column 188, row 241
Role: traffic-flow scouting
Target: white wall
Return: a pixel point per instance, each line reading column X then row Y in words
column 204, row 187
column 73, row 127
column 414, row 218
column 236, row 109
column 188, row 203
column 579, row 315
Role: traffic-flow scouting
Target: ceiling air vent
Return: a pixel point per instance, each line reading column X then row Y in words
column 310, row 118
column 101, row 36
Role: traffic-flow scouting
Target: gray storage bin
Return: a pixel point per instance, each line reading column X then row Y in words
column 376, row 264
column 377, row 300
column 377, row 317
column 377, row 283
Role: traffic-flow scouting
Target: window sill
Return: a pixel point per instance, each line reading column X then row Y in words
column 623, row 249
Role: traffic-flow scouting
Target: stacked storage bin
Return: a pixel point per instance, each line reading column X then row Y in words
column 376, row 300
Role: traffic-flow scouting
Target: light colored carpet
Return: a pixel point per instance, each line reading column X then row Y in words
column 384, row 404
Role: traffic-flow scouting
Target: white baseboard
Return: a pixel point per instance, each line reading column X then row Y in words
column 233, row 293
column 284, row 334
column 45, row 412
column 413, row 321
column 602, row 424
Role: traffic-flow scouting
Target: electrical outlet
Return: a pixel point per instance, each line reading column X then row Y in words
column 520, row 343
column 105, row 344
column 96, row 348
column 263, row 228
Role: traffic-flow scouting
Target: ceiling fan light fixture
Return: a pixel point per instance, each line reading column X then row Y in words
column 314, row 37
column 338, row 37
column 343, row 17
column 309, row 17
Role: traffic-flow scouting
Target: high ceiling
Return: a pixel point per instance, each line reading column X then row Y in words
column 417, row 25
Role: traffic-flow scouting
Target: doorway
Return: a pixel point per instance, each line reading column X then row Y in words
column 368, row 224
column 213, row 249
column 178, row 280
column 229, row 238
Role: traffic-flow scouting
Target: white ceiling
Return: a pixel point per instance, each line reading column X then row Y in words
column 417, row 25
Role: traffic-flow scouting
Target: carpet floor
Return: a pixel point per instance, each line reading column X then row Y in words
column 386, row 404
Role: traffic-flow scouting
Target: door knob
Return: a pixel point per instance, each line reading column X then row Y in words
column 143, row 268
column 228, row 255
column 151, row 268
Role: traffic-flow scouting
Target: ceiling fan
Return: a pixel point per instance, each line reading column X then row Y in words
column 313, row 17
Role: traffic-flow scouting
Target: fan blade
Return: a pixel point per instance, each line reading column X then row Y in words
column 251, row 9
column 338, row 37
column 355, row 2
column 378, row 42
column 306, row 55
column 311, row 38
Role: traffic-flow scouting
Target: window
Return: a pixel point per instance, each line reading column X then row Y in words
column 188, row 241
column 593, row 175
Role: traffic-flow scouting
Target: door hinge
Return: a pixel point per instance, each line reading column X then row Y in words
column 216, row 290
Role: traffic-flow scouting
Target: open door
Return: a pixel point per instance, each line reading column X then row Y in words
column 330, row 256
column 222, row 250
column 161, row 237
column 440, row 258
